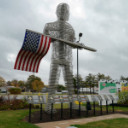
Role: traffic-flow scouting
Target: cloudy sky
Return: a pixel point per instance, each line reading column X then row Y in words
column 104, row 24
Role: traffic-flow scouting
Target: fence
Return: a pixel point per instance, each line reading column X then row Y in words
column 89, row 107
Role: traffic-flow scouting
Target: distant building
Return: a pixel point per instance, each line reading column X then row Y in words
column 5, row 89
column 45, row 90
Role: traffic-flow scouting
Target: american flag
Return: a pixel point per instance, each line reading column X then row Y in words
column 34, row 48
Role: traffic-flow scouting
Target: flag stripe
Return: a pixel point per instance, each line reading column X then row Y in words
column 42, row 45
column 28, row 61
column 23, row 52
column 38, row 58
column 34, row 55
column 43, row 55
column 17, row 60
column 41, row 52
column 41, row 42
column 25, row 58
column 24, row 55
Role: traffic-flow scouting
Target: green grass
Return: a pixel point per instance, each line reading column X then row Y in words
column 56, row 106
column 13, row 119
column 112, row 123
column 116, row 108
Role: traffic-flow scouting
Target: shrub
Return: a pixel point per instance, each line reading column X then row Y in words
column 12, row 104
column 1, row 99
column 17, row 104
column 15, row 91
column 123, row 97
column 4, row 106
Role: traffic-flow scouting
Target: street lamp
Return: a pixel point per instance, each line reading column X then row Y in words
column 80, row 35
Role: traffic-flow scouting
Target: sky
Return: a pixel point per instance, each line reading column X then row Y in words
column 104, row 24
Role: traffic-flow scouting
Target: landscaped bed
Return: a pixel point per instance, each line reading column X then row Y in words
column 35, row 117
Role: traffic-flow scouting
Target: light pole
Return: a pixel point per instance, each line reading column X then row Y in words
column 80, row 35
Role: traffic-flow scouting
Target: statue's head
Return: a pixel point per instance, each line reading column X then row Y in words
column 62, row 12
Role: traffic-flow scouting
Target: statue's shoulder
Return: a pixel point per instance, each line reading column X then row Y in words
column 68, row 25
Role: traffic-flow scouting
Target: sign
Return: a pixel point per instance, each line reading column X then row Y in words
column 107, row 88
column 83, row 98
column 94, row 98
column 99, row 97
column 124, row 87
column 57, row 99
column 105, row 97
column 65, row 99
column 41, row 99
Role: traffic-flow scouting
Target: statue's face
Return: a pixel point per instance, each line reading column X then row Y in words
column 63, row 12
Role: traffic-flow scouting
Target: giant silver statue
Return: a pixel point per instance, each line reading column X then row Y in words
column 61, row 53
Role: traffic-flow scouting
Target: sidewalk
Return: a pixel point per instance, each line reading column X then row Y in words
column 66, row 123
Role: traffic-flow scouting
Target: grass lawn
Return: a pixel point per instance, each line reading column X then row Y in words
column 13, row 119
column 116, row 108
column 113, row 123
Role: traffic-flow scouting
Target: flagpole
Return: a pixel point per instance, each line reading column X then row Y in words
column 72, row 44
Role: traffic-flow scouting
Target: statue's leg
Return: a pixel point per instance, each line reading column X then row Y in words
column 53, row 81
column 68, row 77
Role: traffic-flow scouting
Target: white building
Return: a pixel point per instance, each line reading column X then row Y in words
column 4, row 89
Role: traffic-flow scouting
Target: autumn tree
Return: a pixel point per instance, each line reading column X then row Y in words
column 2, row 82
column 15, row 83
column 22, row 85
column 37, row 85
column 31, row 79
column 8, row 83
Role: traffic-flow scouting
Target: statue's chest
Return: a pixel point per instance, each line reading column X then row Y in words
column 60, row 31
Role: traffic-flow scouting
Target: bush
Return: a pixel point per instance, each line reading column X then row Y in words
column 123, row 97
column 12, row 104
column 1, row 99
column 15, row 91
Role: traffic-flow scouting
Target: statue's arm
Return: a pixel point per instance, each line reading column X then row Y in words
column 72, row 34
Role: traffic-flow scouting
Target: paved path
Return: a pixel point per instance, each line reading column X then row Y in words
column 66, row 123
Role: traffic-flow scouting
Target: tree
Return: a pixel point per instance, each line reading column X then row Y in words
column 29, row 81
column 37, row 85
column 2, row 82
column 103, row 77
column 90, row 81
column 124, row 78
column 79, row 84
column 15, row 83
column 60, row 87
column 22, row 85
column 8, row 83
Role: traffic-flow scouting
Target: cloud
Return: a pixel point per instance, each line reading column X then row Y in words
column 103, row 24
